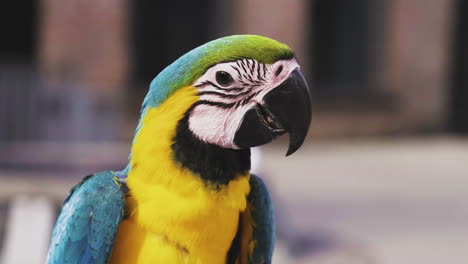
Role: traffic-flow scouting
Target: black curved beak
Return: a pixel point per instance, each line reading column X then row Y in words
column 285, row 109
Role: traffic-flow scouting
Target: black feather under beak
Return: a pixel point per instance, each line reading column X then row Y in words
column 285, row 109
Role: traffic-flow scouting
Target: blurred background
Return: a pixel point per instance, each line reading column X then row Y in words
column 382, row 177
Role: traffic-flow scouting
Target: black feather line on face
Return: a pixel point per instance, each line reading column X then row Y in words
column 238, row 72
column 247, row 99
column 243, row 66
column 205, row 83
column 259, row 75
column 224, row 95
column 217, row 104
column 246, row 76
column 244, row 83
column 258, row 82
column 252, row 67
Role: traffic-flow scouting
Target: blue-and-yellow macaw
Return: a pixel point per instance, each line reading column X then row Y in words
column 186, row 195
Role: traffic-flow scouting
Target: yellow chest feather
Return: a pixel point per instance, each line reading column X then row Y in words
column 174, row 216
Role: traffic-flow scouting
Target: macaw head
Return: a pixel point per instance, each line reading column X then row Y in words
column 250, row 91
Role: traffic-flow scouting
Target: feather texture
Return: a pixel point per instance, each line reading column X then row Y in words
column 87, row 225
column 255, row 239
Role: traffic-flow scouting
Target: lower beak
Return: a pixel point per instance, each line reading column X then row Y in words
column 285, row 109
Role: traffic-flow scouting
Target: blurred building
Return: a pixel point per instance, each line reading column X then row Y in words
column 70, row 69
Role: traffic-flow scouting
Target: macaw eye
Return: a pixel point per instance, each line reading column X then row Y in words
column 224, row 78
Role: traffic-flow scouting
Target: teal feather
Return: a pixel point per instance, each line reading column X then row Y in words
column 89, row 220
column 263, row 229
column 262, row 215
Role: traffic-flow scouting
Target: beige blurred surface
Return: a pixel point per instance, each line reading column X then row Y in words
column 399, row 200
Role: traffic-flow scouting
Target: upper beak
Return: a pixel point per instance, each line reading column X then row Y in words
column 285, row 109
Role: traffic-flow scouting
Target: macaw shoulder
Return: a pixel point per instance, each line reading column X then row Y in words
column 262, row 241
column 255, row 239
column 88, row 222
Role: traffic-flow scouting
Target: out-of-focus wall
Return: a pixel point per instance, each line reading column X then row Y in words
column 418, row 52
column 375, row 67
column 284, row 20
column 85, row 41
column 84, row 66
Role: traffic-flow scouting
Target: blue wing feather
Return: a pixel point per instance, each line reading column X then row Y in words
column 255, row 237
column 89, row 220
column 264, row 224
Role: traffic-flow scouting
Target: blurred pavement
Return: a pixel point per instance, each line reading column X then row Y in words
column 398, row 200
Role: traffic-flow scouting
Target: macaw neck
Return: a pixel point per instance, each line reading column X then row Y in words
column 164, row 147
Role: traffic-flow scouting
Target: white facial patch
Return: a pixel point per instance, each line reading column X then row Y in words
column 223, row 105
